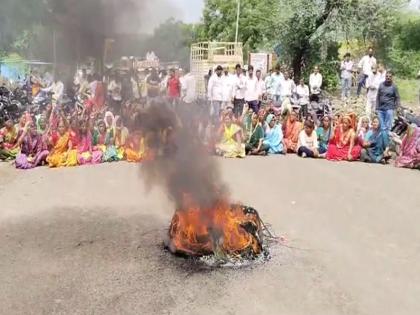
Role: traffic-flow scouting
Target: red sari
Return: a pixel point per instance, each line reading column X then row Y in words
column 338, row 149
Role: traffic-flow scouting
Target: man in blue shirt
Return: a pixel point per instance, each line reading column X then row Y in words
column 388, row 100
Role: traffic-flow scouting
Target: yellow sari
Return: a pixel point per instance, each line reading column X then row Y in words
column 229, row 147
column 58, row 155
column 134, row 154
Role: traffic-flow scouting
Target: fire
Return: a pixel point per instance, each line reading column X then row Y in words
column 223, row 229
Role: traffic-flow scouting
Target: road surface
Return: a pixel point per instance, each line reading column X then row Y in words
column 88, row 240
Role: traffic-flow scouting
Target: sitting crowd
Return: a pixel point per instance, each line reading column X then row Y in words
column 340, row 139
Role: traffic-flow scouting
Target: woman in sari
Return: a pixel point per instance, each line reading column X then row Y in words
column 231, row 145
column 410, row 149
column 85, row 152
column 273, row 140
column 9, row 147
column 363, row 128
column 375, row 144
column 254, row 145
column 324, row 133
column 33, row 150
column 344, row 145
column 60, row 142
column 120, row 137
column 292, row 129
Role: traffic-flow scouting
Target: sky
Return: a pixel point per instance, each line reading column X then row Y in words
column 191, row 9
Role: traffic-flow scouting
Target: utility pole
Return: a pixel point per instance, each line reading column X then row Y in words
column 237, row 21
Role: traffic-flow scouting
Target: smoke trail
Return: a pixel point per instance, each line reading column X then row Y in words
column 183, row 165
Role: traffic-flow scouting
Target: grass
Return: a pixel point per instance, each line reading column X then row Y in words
column 409, row 92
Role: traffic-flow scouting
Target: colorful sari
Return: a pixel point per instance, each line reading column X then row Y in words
column 85, row 152
column 379, row 141
column 121, row 136
column 410, row 149
column 291, row 135
column 33, row 151
column 338, row 149
column 229, row 147
column 58, row 155
column 273, row 140
column 8, row 149
column 257, row 133
column 324, row 137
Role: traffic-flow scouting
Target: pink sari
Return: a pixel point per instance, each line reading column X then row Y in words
column 410, row 149
column 85, row 154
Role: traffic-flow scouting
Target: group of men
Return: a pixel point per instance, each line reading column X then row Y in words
column 382, row 94
column 246, row 85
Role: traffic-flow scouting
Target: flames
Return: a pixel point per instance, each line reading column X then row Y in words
column 222, row 229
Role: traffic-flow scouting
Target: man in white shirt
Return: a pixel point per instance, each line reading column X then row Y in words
column 365, row 65
column 227, row 88
column 252, row 90
column 215, row 93
column 189, row 88
column 238, row 91
column 315, row 83
column 346, row 76
column 372, row 86
column 276, row 80
column 287, row 88
column 302, row 92
column 262, row 89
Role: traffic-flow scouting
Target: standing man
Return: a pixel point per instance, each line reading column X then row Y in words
column 174, row 87
column 189, row 88
column 227, row 88
column 268, row 84
column 215, row 93
column 287, row 88
column 315, row 83
column 238, row 91
column 372, row 86
column 346, row 76
column 388, row 100
column 252, row 90
column 276, row 81
column 262, row 89
column 365, row 65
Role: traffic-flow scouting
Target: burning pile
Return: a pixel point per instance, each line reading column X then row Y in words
column 205, row 222
column 225, row 230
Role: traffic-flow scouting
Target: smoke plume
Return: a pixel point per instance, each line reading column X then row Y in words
column 182, row 166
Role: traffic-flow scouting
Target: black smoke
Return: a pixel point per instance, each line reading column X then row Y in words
column 182, row 164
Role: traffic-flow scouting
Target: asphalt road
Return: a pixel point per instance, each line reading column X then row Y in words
column 88, row 240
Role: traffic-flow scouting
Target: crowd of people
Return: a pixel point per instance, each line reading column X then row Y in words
column 248, row 115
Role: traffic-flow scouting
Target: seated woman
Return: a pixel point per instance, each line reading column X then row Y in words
column 308, row 141
column 103, row 140
column 230, row 145
column 60, row 142
column 292, row 129
column 85, row 152
column 363, row 128
column 254, row 145
column 33, row 150
column 324, row 133
column 374, row 143
column 8, row 141
column 410, row 149
column 343, row 146
column 120, row 137
column 273, row 140
column 135, row 150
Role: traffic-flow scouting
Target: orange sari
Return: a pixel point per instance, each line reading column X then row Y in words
column 291, row 135
column 58, row 155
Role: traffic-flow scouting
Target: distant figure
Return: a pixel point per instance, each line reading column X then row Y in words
column 252, row 90
column 372, row 86
column 174, row 87
column 388, row 100
column 238, row 91
column 215, row 93
column 365, row 64
column 315, row 83
column 346, row 76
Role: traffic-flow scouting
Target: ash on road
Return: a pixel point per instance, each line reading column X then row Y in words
column 88, row 240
